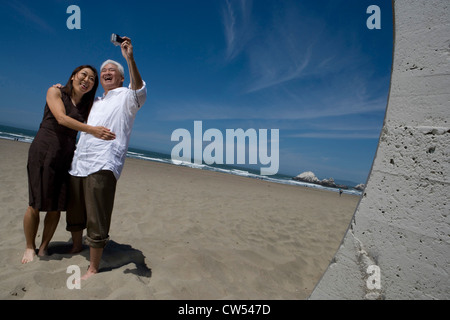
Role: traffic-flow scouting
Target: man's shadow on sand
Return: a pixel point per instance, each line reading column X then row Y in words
column 115, row 255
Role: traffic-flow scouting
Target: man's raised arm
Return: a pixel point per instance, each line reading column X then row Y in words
column 127, row 52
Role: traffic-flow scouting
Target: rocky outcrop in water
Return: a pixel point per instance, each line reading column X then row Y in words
column 310, row 177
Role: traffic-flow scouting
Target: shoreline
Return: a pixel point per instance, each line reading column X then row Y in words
column 237, row 171
column 26, row 135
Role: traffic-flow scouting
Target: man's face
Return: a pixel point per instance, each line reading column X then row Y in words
column 110, row 77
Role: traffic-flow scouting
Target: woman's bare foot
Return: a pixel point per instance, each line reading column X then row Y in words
column 77, row 242
column 28, row 255
column 75, row 249
column 42, row 252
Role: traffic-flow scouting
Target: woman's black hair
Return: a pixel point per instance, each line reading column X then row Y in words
column 87, row 100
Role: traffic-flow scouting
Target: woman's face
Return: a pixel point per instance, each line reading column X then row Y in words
column 83, row 81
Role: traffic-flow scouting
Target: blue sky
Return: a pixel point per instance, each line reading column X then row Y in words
column 311, row 69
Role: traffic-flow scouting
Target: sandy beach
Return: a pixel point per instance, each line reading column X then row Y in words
column 180, row 233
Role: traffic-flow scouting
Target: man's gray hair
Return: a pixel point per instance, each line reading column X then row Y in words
column 118, row 65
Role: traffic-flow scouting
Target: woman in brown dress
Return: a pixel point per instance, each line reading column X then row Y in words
column 50, row 154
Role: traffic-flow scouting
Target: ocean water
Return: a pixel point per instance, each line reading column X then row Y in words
column 24, row 135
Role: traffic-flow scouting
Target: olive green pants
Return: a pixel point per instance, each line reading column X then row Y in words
column 91, row 201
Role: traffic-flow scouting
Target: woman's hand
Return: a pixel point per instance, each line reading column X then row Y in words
column 102, row 133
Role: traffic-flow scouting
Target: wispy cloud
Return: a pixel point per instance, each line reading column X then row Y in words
column 28, row 14
column 334, row 135
column 236, row 20
column 278, row 48
column 281, row 110
column 338, row 97
column 294, row 74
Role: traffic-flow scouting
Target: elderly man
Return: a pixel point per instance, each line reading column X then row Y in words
column 97, row 164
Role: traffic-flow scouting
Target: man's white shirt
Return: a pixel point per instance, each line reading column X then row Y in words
column 115, row 111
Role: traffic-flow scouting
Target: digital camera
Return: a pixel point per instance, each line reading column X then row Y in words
column 116, row 39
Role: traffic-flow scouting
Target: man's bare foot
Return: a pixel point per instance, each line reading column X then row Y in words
column 89, row 274
column 28, row 255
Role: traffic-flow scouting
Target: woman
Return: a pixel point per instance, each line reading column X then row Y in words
column 50, row 154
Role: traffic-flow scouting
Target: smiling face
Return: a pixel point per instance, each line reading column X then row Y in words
column 83, row 81
column 110, row 77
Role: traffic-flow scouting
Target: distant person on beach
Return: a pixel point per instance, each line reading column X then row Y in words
column 97, row 165
column 51, row 152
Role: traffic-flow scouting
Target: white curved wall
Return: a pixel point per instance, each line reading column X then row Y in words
column 401, row 226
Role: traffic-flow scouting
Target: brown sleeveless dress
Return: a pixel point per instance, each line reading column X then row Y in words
column 49, row 159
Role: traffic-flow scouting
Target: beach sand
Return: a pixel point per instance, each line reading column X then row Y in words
column 180, row 233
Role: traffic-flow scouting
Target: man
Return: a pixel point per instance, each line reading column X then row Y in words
column 97, row 164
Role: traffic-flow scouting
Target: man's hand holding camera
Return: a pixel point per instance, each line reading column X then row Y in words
column 127, row 48
column 127, row 52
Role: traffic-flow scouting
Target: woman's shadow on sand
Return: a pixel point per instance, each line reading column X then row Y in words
column 115, row 255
